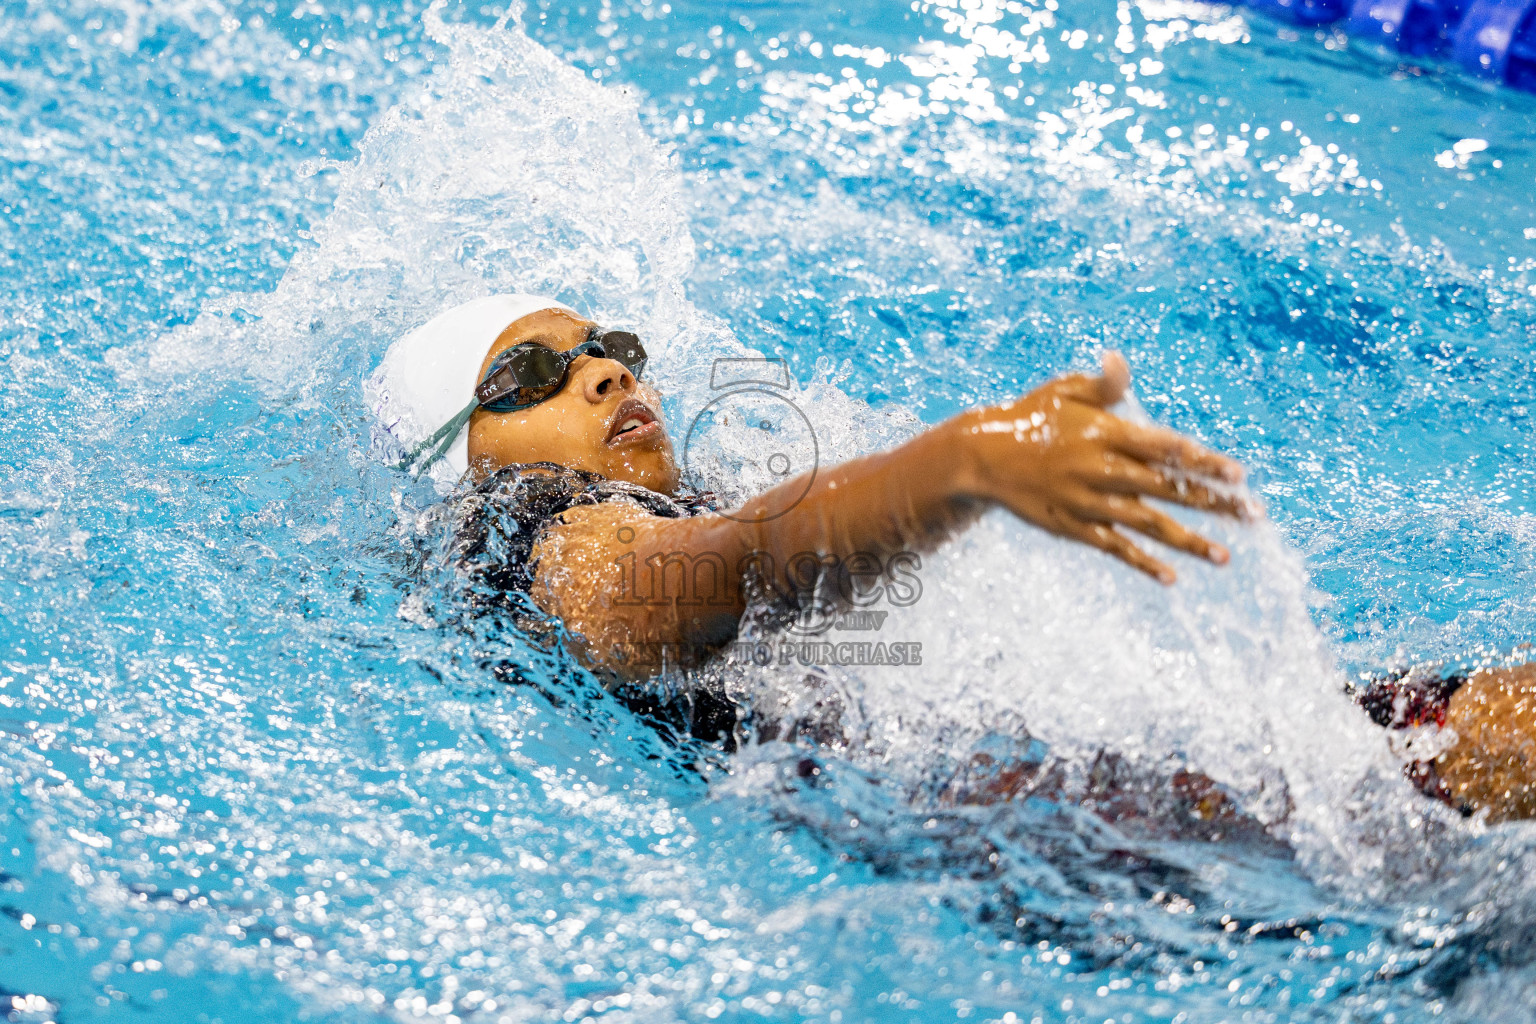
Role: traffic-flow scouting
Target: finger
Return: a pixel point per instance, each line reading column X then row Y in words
column 1100, row 391
column 1158, row 444
column 1161, row 527
column 1106, row 538
column 1128, row 476
column 1115, row 372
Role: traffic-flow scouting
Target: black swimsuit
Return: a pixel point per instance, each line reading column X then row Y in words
column 501, row 519
column 497, row 525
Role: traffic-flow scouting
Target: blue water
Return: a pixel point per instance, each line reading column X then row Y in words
column 256, row 766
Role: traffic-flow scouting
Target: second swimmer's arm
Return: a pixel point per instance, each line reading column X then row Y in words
column 1492, row 764
column 1054, row 458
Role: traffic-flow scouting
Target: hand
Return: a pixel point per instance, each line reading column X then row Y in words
column 1056, row 459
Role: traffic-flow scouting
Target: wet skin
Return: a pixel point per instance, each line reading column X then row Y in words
column 1492, row 766
column 579, row 426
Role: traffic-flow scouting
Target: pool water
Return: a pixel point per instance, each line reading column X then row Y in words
column 257, row 764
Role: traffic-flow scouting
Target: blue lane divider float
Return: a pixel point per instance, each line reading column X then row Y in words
column 1490, row 38
column 1418, row 27
column 1498, row 39
column 1302, row 12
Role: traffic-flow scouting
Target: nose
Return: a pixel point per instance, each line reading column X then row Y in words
column 600, row 378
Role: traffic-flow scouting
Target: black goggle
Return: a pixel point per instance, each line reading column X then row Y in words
column 527, row 374
column 522, row 377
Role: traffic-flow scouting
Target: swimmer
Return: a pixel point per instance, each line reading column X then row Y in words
column 571, row 495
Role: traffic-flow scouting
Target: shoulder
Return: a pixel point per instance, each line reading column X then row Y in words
column 616, row 522
column 501, row 522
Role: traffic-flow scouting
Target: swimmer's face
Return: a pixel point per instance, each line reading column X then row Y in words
column 603, row 420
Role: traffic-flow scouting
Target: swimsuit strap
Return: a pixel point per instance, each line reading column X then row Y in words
column 500, row 519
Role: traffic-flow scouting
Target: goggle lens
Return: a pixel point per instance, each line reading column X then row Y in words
column 530, row 373
column 625, row 348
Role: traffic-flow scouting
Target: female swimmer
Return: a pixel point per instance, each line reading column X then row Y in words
column 575, row 500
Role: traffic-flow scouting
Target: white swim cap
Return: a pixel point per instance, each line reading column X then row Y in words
column 429, row 376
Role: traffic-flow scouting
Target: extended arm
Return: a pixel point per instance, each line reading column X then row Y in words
column 1055, row 458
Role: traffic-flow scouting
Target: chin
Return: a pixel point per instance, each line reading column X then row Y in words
column 660, row 475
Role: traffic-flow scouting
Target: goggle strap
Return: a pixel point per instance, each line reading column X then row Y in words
column 439, row 442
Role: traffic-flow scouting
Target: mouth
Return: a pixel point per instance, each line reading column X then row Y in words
column 632, row 422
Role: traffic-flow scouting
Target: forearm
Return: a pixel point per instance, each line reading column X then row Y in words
column 910, row 498
column 689, row 576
